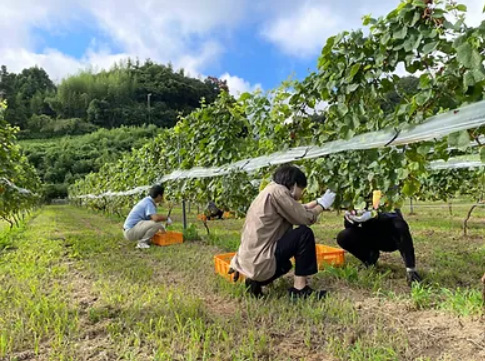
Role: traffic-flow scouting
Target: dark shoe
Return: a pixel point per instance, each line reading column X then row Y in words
column 254, row 288
column 413, row 277
column 306, row 292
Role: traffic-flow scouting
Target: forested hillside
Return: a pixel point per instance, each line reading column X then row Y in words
column 130, row 93
column 61, row 161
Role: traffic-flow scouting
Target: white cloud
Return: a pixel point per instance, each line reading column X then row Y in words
column 238, row 85
column 57, row 64
column 180, row 32
column 166, row 30
column 474, row 14
column 18, row 17
column 188, row 33
column 193, row 63
column 303, row 31
column 54, row 62
column 300, row 29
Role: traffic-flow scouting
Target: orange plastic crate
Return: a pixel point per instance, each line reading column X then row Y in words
column 168, row 238
column 228, row 215
column 325, row 255
column 329, row 255
column 202, row 217
column 221, row 264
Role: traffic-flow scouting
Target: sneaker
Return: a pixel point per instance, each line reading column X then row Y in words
column 254, row 288
column 142, row 245
column 306, row 292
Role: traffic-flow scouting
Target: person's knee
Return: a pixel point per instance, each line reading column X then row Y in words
column 306, row 234
column 286, row 267
column 154, row 228
column 344, row 238
column 129, row 236
column 401, row 226
column 305, row 230
column 153, row 225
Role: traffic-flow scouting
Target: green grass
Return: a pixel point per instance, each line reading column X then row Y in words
column 72, row 288
column 443, row 255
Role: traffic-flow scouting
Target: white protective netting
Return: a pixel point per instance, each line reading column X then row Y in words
column 436, row 127
column 466, row 161
column 467, row 117
column 13, row 186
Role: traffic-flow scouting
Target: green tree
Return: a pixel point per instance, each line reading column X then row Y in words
column 25, row 94
column 131, row 94
column 61, row 162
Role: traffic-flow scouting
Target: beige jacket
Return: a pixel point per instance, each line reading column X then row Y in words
column 269, row 217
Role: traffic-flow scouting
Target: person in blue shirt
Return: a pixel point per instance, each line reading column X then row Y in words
column 143, row 221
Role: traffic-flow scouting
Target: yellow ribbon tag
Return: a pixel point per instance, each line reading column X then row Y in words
column 376, row 198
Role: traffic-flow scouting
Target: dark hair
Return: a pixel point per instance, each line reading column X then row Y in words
column 288, row 175
column 156, row 190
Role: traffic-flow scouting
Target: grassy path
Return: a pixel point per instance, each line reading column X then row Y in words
column 72, row 288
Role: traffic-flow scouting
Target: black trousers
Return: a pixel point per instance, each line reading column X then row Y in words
column 388, row 233
column 300, row 244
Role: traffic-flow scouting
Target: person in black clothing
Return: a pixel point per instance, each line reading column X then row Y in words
column 370, row 233
column 213, row 211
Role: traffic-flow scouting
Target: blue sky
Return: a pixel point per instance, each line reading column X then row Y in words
column 247, row 42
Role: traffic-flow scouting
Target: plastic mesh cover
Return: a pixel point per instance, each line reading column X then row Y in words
column 458, row 162
column 436, row 127
column 13, row 186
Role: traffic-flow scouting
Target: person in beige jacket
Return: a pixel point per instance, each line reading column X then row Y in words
column 269, row 241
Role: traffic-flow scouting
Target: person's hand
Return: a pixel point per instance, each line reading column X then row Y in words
column 354, row 218
column 310, row 205
column 413, row 276
column 327, row 199
column 348, row 216
column 168, row 222
column 483, row 278
column 236, row 274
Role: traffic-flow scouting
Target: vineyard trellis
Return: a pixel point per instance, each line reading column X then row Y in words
column 468, row 118
column 18, row 179
column 355, row 71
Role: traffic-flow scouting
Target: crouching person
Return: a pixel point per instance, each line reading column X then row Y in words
column 213, row 211
column 268, row 240
column 143, row 221
column 367, row 234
